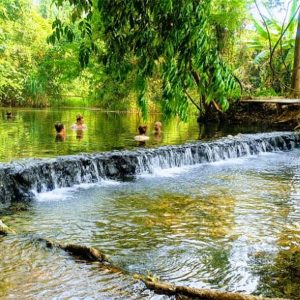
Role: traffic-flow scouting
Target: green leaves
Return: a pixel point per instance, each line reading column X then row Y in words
column 261, row 56
column 84, row 54
column 23, row 46
column 170, row 39
column 58, row 31
column 272, row 44
column 85, row 28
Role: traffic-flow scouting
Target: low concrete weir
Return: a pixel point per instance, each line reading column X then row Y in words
column 20, row 180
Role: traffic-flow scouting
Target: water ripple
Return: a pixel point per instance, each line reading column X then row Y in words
column 211, row 226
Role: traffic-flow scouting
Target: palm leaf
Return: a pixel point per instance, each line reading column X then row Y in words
column 292, row 16
column 260, row 29
column 293, row 9
column 261, row 56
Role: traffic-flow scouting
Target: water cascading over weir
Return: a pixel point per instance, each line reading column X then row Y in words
column 21, row 180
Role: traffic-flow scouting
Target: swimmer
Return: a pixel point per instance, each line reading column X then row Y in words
column 142, row 134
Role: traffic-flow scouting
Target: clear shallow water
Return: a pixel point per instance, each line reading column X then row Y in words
column 30, row 133
column 226, row 225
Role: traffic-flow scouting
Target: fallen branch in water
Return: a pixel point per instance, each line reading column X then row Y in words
column 89, row 254
column 84, row 252
column 184, row 292
column 5, row 230
column 80, row 251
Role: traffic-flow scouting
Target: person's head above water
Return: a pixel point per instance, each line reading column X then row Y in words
column 79, row 125
column 157, row 126
column 142, row 134
column 59, row 127
column 142, row 129
column 79, row 119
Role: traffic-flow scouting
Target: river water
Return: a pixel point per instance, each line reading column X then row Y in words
column 231, row 225
column 31, row 133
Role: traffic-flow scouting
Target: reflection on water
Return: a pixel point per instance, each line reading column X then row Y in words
column 230, row 225
column 30, row 133
column 79, row 134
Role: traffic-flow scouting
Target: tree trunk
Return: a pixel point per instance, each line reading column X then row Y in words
column 202, row 105
column 296, row 70
column 184, row 292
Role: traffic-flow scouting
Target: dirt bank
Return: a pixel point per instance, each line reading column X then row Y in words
column 286, row 117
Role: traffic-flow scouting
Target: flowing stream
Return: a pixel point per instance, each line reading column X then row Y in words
column 223, row 215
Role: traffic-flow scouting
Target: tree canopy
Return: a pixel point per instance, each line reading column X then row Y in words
column 175, row 39
column 181, row 56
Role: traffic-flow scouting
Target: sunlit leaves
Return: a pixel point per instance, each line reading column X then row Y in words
column 23, row 45
column 273, row 47
column 170, row 38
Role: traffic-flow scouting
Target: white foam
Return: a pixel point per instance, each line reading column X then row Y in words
column 230, row 161
column 240, row 160
column 169, row 172
column 109, row 182
column 172, row 172
column 55, row 195
column 69, row 192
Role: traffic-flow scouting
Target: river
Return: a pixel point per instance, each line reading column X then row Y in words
column 227, row 224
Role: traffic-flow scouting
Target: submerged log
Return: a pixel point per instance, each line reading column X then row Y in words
column 84, row 252
column 180, row 292
column 184, row 292
column 80, row 251
column 4, row 229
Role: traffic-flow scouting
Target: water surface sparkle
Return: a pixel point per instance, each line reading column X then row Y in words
column 225, row 225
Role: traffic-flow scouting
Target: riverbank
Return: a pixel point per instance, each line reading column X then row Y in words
column 276, row 117
column 287, row 117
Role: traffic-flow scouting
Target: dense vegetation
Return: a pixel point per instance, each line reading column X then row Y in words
column 176, row 56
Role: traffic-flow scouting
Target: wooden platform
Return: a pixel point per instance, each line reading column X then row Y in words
column 272, row 100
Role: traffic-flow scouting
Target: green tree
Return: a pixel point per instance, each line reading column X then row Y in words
column 46, row 9
column 296, row 67
column 174, row 39
column 32, row 72
column 22, row 45
column 273, row 44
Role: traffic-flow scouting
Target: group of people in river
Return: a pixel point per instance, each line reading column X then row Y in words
column 142, row 137
column 79, row 127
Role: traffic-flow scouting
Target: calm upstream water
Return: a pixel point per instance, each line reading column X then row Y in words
column 232, row 225
column 31, row 133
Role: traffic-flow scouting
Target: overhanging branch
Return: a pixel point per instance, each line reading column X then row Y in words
column 193, row 101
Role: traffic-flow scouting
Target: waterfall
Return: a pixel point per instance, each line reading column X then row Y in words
column 20, row 179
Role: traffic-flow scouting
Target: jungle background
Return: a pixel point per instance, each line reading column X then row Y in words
column 59, row 53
